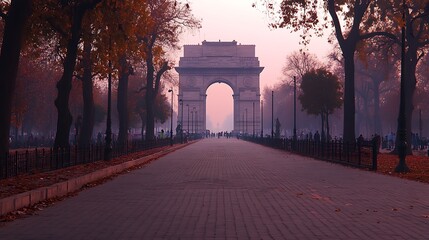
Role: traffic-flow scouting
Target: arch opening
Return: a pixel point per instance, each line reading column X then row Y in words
column 219, row 107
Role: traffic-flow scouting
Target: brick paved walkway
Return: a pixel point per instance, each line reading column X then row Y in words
column 231, row 189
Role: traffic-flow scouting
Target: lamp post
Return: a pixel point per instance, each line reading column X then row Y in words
column 246, row 121
column 171, row 116
column 196, row 121
column 253, row 121
column 188, row 118
column 192, row 124
column 294, row 112
column 272, row 114
column 243, row 125
column 262, row 118
column 181, row 121
column 402, row 146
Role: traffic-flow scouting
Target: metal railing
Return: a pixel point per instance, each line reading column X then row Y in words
column 30, row 161
column 361, row 154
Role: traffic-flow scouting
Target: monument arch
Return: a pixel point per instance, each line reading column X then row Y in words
column 219, row 62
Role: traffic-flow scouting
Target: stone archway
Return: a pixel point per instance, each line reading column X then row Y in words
column 225, row 62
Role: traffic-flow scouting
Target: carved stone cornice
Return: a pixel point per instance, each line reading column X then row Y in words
column 219, row 71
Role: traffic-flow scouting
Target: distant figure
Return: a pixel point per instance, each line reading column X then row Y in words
column 99, row 138
column 178, row 129
column 317, row 137
column 360, row 139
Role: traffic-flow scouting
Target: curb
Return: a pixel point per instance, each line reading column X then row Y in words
column 29, row 198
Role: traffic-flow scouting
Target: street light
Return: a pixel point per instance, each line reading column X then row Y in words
column 181, row 122
column 193, row 120
column 188, row 118
column 402, row 146
column 192, row 123
column 253, row 121
column 272, row 114
column 171, row 115
column 246, row 120
column 294, row 112
column 262, row 118
column 244, row 125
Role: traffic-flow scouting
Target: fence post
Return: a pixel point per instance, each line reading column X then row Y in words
column 6, row 159
column 359, row 143
column 16, row 163
column 37, row 159
column 43, row 159
column 27, row 161
column 334, row 143
column 374, row 154
column 51, row 158
column 76, row 155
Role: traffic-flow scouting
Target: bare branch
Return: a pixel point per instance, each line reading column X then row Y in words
column 165, row 67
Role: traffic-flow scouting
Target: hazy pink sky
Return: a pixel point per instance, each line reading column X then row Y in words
column 228, row 20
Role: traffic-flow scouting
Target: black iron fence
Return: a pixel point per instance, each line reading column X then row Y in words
column 362, row 154
column 30, row 161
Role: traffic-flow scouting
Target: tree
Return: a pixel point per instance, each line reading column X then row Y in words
column 162, row 109
column 278, row 126
column 299, row 63
column 347, row 17
column 87, row 91
column 417, row 33
column 374, row 69
column 15, row 20
column 167, row 20
column 126, row 20
column 65, row 20
column 321, row 95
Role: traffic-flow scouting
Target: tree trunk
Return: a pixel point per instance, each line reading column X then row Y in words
column 348, row 48
column 366, row 112
column 377, row 120
column 64, row 85
column 150, row 99
column 327, row 127
column 143, row 119
column 88, row 98
column 410, row 87
column 349, row 95
column 17, row 16
column 124, row 73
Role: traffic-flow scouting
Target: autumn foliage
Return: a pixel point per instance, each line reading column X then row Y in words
column 418, row 165
column 62, row 42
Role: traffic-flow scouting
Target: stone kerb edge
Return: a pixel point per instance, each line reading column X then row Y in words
column 26, row 199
